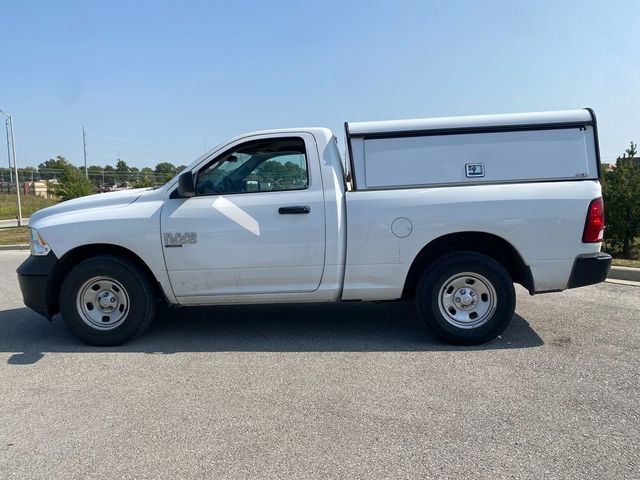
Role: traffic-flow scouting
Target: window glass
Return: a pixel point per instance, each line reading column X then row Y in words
column 268, row 165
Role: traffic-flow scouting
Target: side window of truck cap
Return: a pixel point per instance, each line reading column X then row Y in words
column 259, row 166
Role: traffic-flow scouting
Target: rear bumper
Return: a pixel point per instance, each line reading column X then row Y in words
column 589, row 269
column 34, row 278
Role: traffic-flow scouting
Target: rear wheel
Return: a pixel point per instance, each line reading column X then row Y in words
column 106, row 300
column 466, row 298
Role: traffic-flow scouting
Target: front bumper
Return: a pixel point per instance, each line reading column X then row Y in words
column 35, row 276
column 589, row 269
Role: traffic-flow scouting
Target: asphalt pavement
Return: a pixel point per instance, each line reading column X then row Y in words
column 325, row 391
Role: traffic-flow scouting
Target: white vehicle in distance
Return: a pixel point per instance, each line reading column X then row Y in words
column 449, row 211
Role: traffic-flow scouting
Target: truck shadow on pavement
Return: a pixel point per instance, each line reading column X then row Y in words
column 342, row 327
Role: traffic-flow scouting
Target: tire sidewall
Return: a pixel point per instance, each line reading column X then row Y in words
column 434, row 279
column 132, row 281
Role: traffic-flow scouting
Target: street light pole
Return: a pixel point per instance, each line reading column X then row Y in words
column 9, row 125
column 6, row 124
column 84, row 148
column 15, row 166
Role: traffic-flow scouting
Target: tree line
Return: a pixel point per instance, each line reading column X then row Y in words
column 100, row 177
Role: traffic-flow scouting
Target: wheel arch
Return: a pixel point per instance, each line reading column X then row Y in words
column 83, row 252
column 481, row 242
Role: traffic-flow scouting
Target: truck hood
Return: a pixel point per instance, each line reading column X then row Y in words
column 99, row 200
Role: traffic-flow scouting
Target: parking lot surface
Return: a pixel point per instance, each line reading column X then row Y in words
column 325, row 391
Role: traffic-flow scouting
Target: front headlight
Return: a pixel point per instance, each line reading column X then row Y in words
column 38, row 246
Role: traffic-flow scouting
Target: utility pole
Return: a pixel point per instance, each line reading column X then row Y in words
column 6, row 124
column 84, row 147
column 11, row 151
column 15, row 166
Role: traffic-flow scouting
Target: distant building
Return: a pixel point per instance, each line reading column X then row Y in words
column 41, row 189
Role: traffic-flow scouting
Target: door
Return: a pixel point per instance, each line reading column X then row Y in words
column 255, row 225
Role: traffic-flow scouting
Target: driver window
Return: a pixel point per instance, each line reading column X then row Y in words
column 259, row 166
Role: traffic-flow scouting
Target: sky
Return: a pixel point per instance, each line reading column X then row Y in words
column 165, row 80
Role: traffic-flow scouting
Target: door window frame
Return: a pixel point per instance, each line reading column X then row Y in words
column 248, row 143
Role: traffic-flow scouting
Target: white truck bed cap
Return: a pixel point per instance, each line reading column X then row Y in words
column 474, row 121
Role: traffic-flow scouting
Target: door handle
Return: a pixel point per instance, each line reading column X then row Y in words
column 294, row 210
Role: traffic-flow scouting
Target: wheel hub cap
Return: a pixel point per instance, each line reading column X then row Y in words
column 106, row 301
column 102, row 303
column 467, row 300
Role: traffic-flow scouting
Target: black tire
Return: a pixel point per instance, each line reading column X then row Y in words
column 137, row 311
column 495, row 306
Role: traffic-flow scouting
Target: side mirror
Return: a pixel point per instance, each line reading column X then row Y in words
column 186, row 187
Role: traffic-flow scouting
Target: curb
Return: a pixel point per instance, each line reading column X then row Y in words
column 24, row 246
column 625, row 273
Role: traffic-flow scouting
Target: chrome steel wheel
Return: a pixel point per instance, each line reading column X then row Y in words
column 102, row 303
column 467, row 300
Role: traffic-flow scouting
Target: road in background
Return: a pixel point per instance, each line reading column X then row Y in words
column 325, row 391
column 13, row 223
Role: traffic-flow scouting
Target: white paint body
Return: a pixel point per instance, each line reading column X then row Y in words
column 356, row 244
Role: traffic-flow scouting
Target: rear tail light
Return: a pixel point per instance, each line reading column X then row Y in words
column 594, row 226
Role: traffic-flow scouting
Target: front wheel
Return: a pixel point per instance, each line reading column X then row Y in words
column 466, row 298
column 106, row 300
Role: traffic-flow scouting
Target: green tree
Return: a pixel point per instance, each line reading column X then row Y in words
column 5, row 176
column 53, row 168
column 282, row 176
column 621, row 192
column 122, row 170
column 146, row 173
column 72, row 184
column 109, row 176
column 146, row 178
column 165, row 171
column 95, row 174
column 144, row 182
column 28, row 174
column 121, row 166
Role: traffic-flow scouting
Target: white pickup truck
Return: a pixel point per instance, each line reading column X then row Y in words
column 449, row 211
